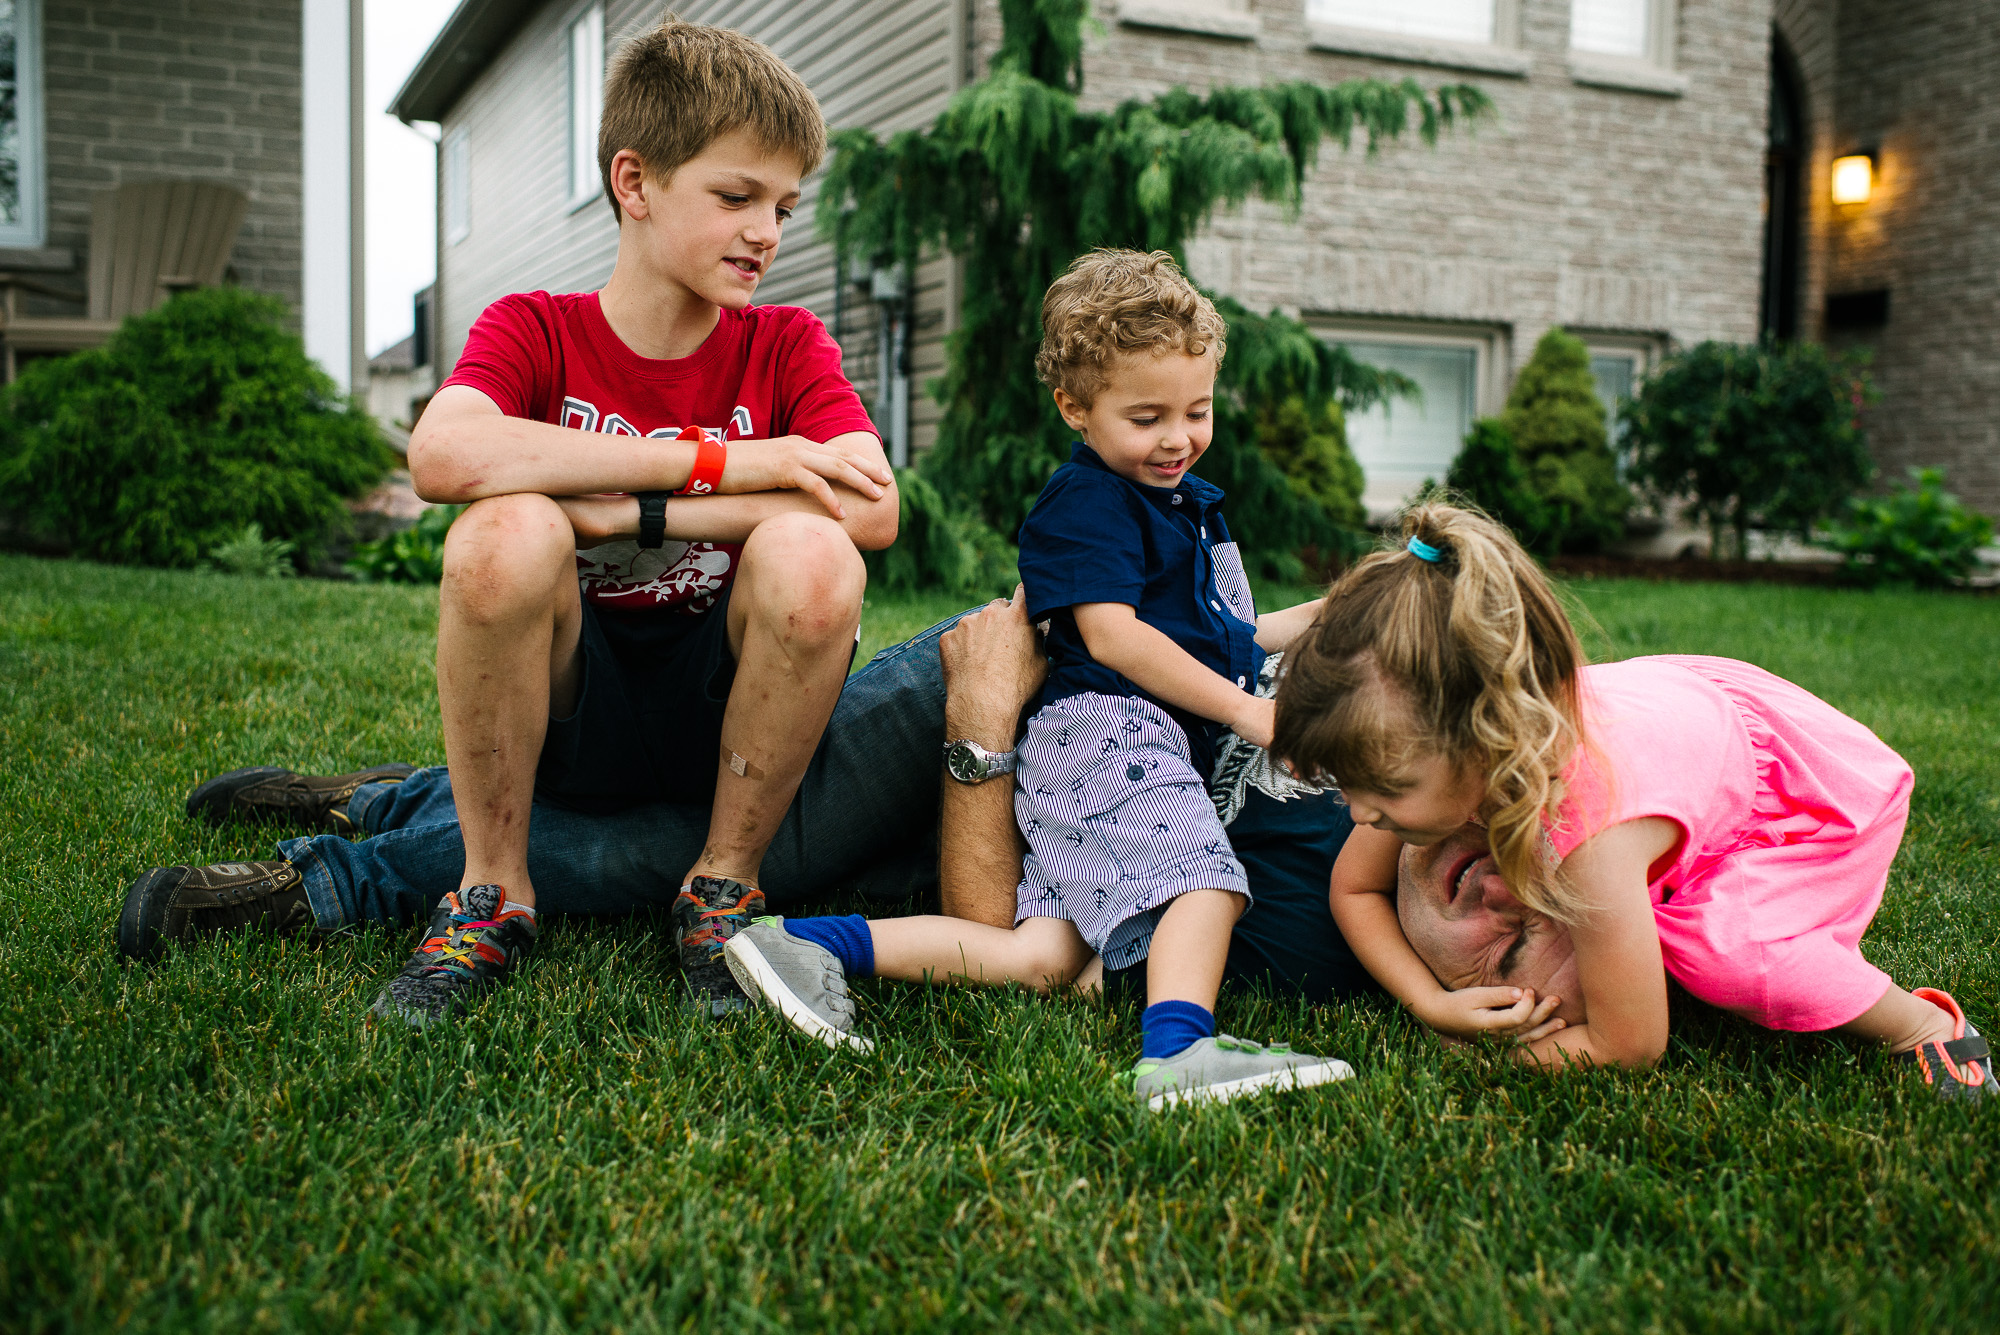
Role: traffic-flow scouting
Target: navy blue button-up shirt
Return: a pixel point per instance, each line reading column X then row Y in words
column 1094, row 537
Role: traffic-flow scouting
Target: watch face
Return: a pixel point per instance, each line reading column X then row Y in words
column 964, row 764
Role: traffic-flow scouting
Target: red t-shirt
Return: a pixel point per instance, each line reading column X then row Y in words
column 766, row 371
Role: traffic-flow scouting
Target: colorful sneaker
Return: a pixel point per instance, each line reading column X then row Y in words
column 466, row 951
column 1215, row 1070
column 801, row 979
column 1959, row 1067
column 267, row 793
column 185, row 904
column 709, row 911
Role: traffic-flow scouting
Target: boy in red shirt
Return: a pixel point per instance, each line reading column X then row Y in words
column 655, row 589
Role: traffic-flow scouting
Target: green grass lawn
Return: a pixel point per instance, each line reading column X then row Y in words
column 219, row 1144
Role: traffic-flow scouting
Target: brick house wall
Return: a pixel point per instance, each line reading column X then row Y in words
column 185, row 89
column 1915, row 80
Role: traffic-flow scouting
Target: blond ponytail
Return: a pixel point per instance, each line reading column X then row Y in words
column 1469, row 657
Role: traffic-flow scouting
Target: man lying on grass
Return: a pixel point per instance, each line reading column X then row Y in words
column 874, row 814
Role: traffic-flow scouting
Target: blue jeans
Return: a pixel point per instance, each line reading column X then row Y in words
column 865, row 818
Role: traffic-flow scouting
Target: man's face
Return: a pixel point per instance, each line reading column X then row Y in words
column 1464, row 923
column 714, row 226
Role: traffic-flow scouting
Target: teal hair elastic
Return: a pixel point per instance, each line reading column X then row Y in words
column 1423, row 551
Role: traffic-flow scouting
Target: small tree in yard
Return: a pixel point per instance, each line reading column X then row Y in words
column 194, row 422
column 1555, row 422
column 1489, row 472
column 1756, row 435
column 1017, row 180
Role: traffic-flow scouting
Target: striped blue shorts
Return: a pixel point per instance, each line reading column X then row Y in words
column 1117, row 821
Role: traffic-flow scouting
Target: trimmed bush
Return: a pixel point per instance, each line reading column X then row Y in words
column 1918, row 534
column 194, row 421
column 1556, row 424
column 1761, row 435
column 1488, row 472
column 1311, row 450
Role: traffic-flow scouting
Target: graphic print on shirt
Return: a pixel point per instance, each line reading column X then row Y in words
column 684, row 577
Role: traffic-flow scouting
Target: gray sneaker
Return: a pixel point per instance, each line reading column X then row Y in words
column 801, row 978
column 1215, row 1070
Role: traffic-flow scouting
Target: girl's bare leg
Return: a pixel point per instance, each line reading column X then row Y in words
column 1041, row 952
column 1190, row 947
column 1901, row 1021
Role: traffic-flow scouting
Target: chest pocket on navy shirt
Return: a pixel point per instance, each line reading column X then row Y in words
column 1231, row 583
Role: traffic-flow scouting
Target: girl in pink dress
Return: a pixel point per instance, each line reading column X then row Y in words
column 1620, row 823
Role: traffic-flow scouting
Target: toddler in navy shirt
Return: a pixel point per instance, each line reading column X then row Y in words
column 1154, row 648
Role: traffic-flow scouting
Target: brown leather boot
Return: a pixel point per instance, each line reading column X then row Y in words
column 267, row 793
column 186, row 904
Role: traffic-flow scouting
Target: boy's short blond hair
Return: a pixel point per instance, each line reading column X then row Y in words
column 1113, row 303
column 675, row 90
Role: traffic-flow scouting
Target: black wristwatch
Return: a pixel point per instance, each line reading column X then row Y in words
column 652, row 517
column 969, row 762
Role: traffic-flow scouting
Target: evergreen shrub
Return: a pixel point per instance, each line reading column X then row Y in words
column 1555, row 422
column 193, row 421
column 941, row 546
column 1764, row 435
column 1920, row 534
column 1488, row 472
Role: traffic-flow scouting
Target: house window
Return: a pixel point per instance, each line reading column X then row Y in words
column 1618, row 366
column 1612, row 27
column 586, row 104
column 456, row 170
column 1452, row 20
column 1402, row 444
column 21, row 221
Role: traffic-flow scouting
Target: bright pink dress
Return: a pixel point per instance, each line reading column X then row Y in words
column 1790, row 813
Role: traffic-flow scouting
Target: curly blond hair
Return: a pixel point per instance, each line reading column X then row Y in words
column 1470, row 658
column 1113, row 303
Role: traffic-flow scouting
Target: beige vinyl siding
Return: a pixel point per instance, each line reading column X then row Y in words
column 887, row 64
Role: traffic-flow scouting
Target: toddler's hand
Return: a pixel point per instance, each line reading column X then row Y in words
column 1509, row 1012
column 1255, row 721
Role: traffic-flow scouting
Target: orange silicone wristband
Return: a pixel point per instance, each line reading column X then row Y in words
column 709, row 458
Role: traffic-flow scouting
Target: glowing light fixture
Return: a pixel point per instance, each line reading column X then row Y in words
column 1853, row 178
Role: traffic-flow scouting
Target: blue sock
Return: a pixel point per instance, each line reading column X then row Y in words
column 1169, row 1028
column 847, row 937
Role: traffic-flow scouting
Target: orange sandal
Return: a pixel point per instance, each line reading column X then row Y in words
column 1960, row 1067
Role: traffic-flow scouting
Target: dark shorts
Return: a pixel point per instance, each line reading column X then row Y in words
column 647, row 726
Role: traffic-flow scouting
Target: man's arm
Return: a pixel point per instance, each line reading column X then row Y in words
column 993, row 664
column 465, row 449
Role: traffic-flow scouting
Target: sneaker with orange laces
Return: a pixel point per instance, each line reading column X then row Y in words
column 1959, row 1067
column 471, row 945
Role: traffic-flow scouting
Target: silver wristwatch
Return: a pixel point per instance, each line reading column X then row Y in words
column 969, row 762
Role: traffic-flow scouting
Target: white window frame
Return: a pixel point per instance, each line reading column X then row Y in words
column 584, row 40
column 455, row 185
column 1642, row 350
column 32, row 229
column 1490, row 347
column 1502, row 54
column 1230, row 20
column 1652, row 72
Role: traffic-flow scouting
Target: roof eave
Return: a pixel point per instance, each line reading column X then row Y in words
column 465, row 46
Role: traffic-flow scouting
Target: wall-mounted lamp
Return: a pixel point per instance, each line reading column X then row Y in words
column 1853, row 178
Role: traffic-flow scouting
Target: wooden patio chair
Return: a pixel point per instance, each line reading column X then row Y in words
column 148, row 240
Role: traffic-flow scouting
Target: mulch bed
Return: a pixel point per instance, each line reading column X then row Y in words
column 1693, row 569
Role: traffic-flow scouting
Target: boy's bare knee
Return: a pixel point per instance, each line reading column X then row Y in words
column 805, row 569
column 505, row 551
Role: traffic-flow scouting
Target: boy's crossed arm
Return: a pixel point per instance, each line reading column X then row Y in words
column 465, row 449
